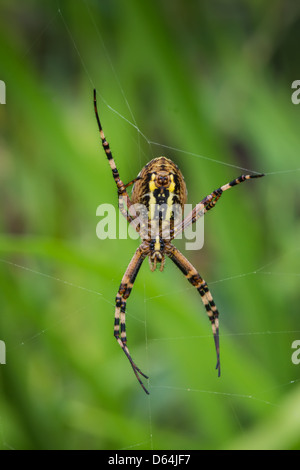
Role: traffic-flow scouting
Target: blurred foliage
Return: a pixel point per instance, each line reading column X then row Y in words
column 208, row 84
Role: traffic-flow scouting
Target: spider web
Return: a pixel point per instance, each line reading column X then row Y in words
column 100, row 296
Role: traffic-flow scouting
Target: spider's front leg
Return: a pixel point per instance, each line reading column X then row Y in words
column 209, row 202
column 121, row 298
column 125, row 205
column 196, row 280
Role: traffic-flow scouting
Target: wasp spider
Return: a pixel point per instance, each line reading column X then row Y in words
column 159, row 188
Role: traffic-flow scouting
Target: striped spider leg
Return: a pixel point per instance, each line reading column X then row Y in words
column 209, row 202
column 124, row 199
column 188, row 269
column 197, row 281
column 121, row 298
column 135, row 263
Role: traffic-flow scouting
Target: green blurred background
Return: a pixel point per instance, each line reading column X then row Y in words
column 208, row 84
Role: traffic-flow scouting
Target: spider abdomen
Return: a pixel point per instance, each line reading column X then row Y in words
column 158, row 180
column 160, row 193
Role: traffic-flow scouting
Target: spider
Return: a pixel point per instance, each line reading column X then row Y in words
column 159, row 188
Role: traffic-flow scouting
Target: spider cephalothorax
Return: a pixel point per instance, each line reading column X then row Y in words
column 154, row 210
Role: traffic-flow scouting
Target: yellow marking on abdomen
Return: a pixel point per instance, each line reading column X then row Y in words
column 152, row 185
column 152, row 200
column 172, row 185
column 170, row 198
column 157, row 244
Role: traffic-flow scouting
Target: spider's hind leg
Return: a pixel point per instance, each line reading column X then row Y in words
column 120, row 335
column 213, row 315
column 121, row 298
column 196, row 280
